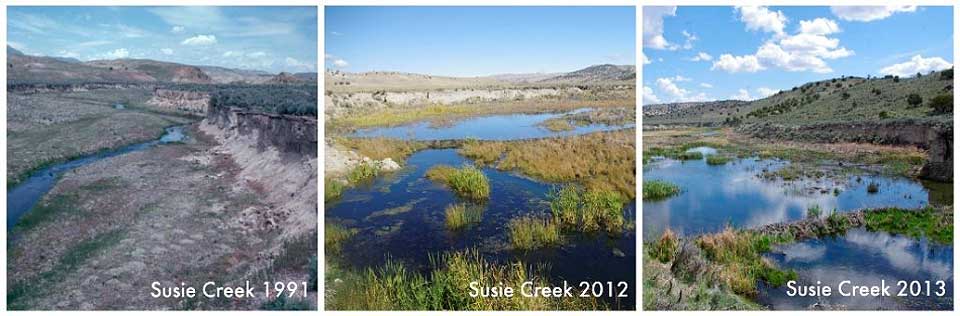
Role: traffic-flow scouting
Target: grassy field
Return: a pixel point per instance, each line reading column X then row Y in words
column 43, row 129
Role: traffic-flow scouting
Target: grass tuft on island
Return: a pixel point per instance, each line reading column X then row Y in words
column 738, row 254
column 718, row 160
column 528, row 233
column 929, row 222
column 588, row 210
column 393, row 286
column 655, row 190
column 462, row 215
column 467, row 182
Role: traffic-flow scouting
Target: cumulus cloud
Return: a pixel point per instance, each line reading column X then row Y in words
column 869, row 13
column 676, row 93
column 653, row 26
column 679, row 78
column 759, row 18
column 649, row 97
column 701, row 56
column 706, row 85
column 690, row 38
column 806, row 50
column 117, row 53
column 200, row 40
column 231, row 53
column 733, row 64
column 166, row 51
column 915, row 65
column 644, row 59
column 819, row 26
column 766, row 92
column 340, row 63
column 742, row 94
column 177, row 29
column 256, row 54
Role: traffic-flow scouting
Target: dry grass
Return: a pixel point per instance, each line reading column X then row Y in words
column 379, row 148
column 528, row 232
column 603, row 161
column 738, row 255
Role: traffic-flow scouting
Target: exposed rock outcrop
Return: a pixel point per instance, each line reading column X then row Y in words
column 288, row 133
column 183, row 101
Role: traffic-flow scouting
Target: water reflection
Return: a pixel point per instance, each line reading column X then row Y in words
column 494, row 127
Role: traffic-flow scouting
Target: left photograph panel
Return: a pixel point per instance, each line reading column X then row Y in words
column 162, row 158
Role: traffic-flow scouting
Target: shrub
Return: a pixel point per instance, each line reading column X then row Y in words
column 914, row 99
column 942, row 103
column 814, row 211
column 884, row 115
column 664, row 248
column 362, row 172
column 946, row 74
column 873, row 187
column 273, row 98
column 845, row 95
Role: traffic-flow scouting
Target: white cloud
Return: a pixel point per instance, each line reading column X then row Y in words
column 256, row 54
column 92, row 43
column 677, row 94
column 742, row 94
column 701, row 56
column 131, row 31
column 690, row 38
column 804, row 51
column 766, row 92
column 117, row 53
column 733, row 64
column 679, row 78
column 653, row 26
column 340, row 63
column 299, row 64
column 706, row 85
column 200, row 40
column 328, row 56
column 762, row 19
column 166, row 51
column 67, row 53
column 17, row 45
column 649, row 97
column 334, row 33
column 177, row 29
column 819, row 26
column 915, row 65
column 869, row 13
column 644, row 59
column 231, row 53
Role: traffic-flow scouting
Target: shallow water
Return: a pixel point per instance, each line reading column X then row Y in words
column 401, row 216
column 494, row 127
column 26, row 194
column 864, row 258
column 733, row 194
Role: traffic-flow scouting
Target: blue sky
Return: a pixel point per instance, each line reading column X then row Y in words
column 716, row 53
column 273, row 39
column 476, row 41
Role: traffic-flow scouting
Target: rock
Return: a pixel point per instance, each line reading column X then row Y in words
column 389, row 165
column 618, row 253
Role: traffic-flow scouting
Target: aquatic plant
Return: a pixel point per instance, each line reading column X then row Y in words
column 467, row 182
column 446, row 287
column 814, row 211
column 738, row 255
column 482, row 152
column 559, row 124
column 690, row 155
column 379, row 148
column 528, row 232
column 461, row 215
column 602, row 209
column 664, row 248
column 362, row 172
column 716, row 160
column 873, row 187
column 654, row 190
column 332, row 189
column 565, row 204
column 929, row 222
column 333, row 236
column 837, row 223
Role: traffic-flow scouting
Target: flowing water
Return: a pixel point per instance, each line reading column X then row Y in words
column 26, row 194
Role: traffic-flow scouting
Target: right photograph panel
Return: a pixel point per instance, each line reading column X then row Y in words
column 797, row 158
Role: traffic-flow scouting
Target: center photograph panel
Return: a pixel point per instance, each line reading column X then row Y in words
column 480, row 158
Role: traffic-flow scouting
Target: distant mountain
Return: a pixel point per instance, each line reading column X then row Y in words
column 597, row 73
column 68, row 60
column 526, row 78
column 13, row 51
column 229, row 75
column 34, row 69
column 158, row 70
column 307, row 76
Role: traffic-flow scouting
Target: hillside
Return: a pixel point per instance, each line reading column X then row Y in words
column 845, row 99
column 597, row 74
column 158, row 70
column 228, row 75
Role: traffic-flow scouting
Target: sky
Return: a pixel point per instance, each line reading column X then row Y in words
column 477, row 41
column 271, row 39
column 746, row 53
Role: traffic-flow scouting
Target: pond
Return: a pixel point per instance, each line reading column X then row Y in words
column 864, row 258
column 714, row 196
column 26, row 194
column 401, row 216
column 494, row 127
